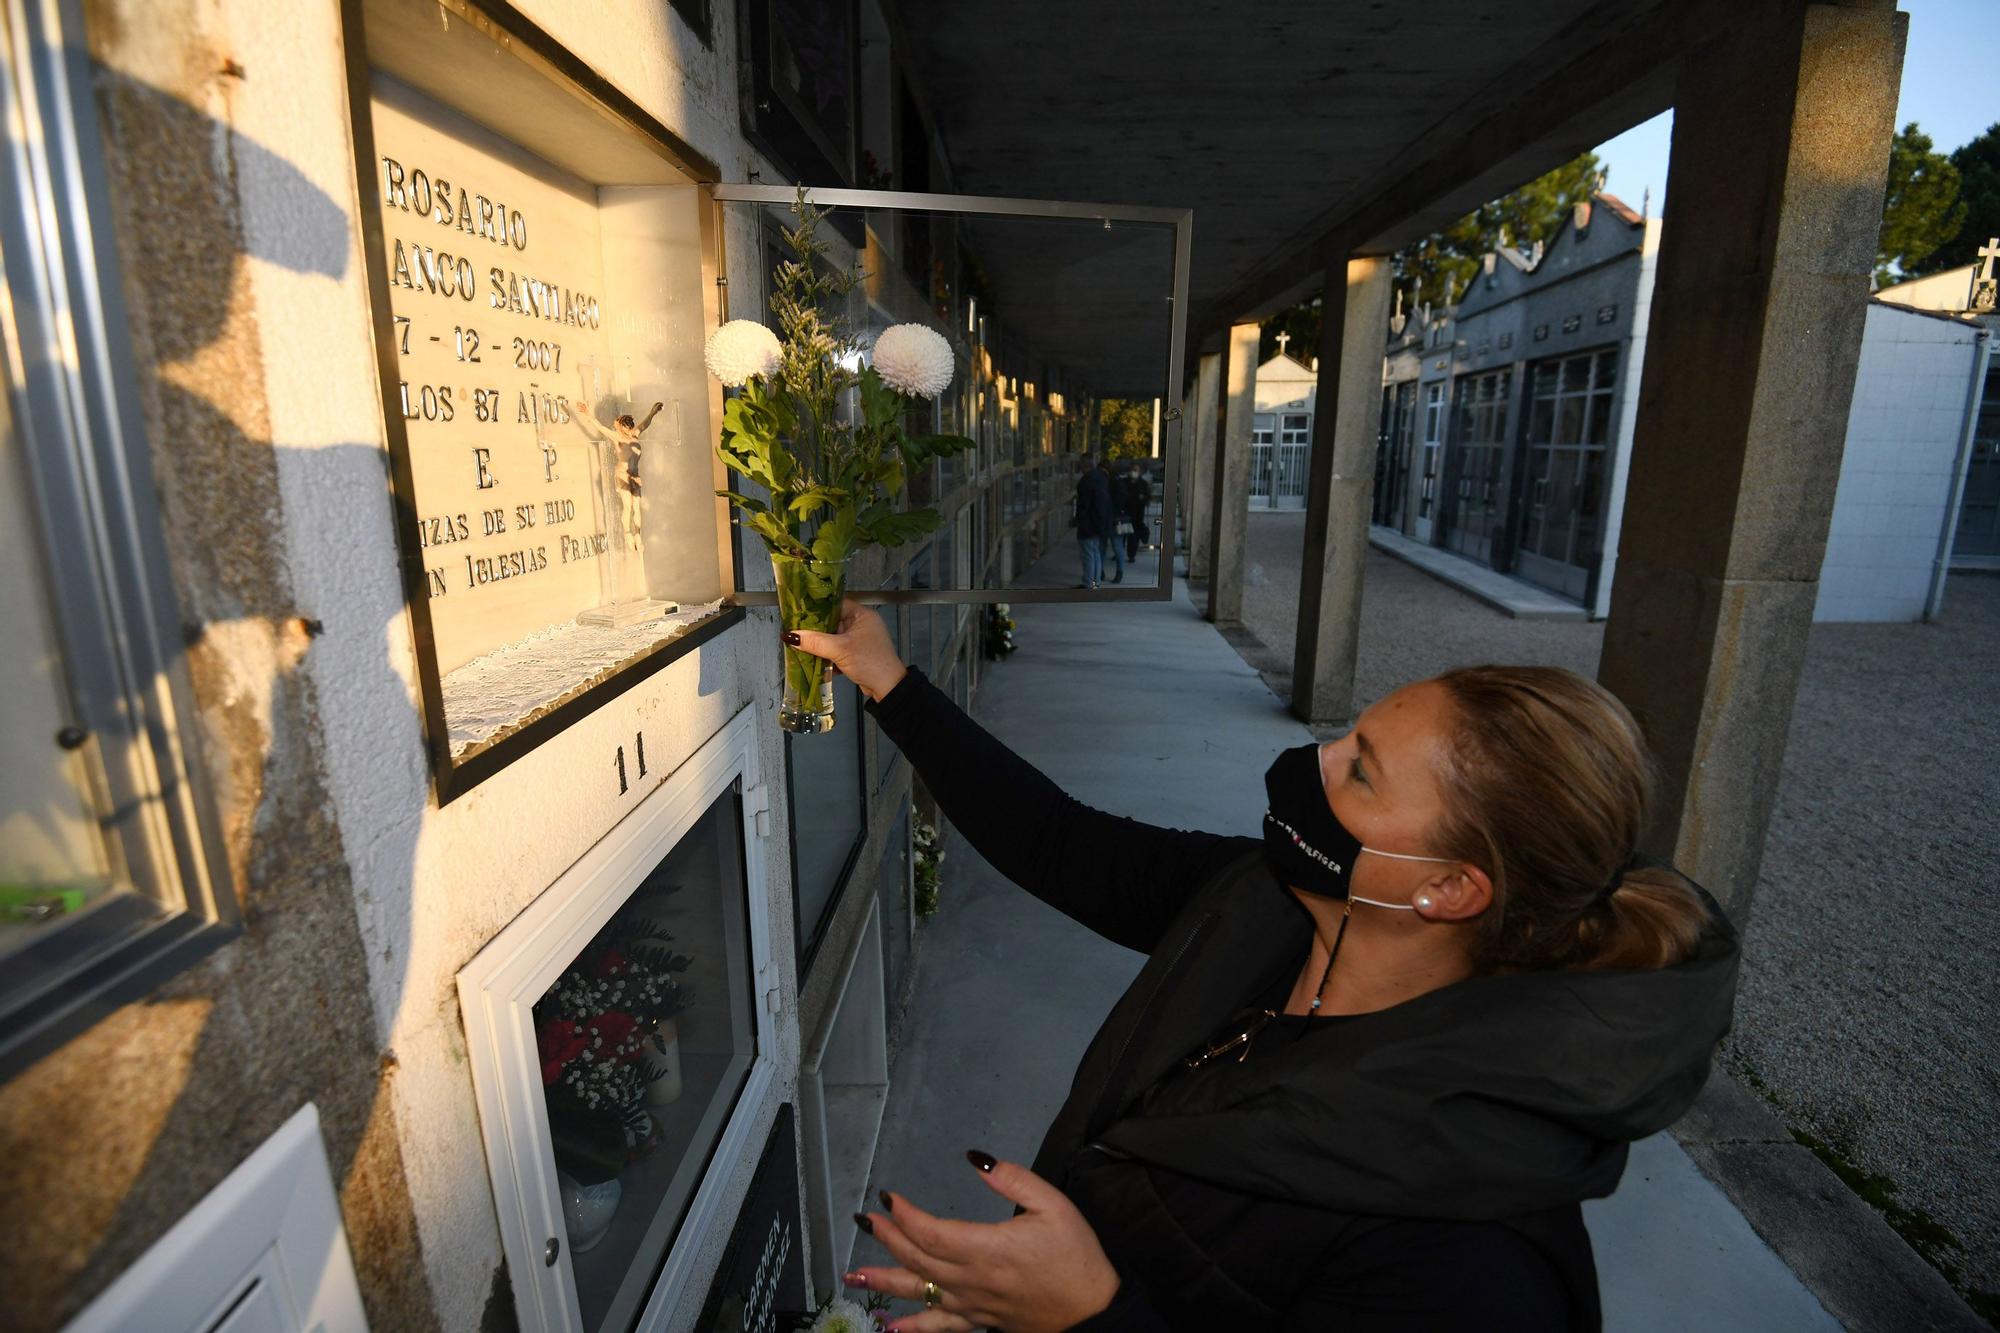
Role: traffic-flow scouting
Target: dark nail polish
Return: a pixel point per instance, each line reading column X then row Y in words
column 855, row 1279
column 887, row 1206
column 791, row 638
column 984, row 1161
column 867, row 1227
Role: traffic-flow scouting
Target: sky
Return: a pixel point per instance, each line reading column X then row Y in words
column 1948, row 88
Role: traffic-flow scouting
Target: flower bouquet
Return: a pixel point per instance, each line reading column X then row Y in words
column 999, row 631
column 824, row 436
column 929, row 868
column 838, row 1314
column 591, row 1031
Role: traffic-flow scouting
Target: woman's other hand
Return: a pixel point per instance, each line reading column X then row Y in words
column 1041, row 1270
column 863, row 650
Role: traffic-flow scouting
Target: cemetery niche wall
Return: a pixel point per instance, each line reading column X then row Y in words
column 621, row 1037
column 542, row 266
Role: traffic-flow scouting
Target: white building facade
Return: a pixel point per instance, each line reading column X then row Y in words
column 1281, row 433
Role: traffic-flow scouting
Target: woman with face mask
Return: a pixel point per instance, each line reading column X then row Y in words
column 1377, row 1056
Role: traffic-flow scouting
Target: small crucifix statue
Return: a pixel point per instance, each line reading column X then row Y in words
column 623, row 581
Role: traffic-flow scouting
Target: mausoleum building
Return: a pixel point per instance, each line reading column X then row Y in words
column 1508, row 421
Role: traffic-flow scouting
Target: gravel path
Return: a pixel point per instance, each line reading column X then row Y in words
column 1869, row 1010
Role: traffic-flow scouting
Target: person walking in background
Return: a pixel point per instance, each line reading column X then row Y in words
column 1093, row 521
column 1114, row 541
column 1138, row 499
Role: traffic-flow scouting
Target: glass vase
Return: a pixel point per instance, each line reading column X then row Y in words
column 809, row 593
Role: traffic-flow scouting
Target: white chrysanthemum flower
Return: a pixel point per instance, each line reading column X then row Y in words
column 843, row 1316
column 739, row 349
column 914, row 360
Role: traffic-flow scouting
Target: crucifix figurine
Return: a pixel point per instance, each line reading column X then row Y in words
column 625, row 599
column 623, row 438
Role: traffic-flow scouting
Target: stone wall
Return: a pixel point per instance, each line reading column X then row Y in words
column 229, row 147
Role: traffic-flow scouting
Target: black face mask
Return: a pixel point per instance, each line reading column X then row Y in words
column 1305, row 844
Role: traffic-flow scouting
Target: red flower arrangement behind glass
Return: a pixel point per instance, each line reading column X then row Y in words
column 597, row 1032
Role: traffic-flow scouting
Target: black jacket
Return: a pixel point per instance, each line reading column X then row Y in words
column 1138, row 495
column 1093, row 505
column 1420, row 1167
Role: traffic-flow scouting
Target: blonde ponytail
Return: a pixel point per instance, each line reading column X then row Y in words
column 1546, row 786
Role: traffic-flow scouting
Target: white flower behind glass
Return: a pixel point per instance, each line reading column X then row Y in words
column 739, row 349
column 914, row 360
column 843, row 1316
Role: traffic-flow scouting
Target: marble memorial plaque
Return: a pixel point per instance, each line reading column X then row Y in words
column 547, row 333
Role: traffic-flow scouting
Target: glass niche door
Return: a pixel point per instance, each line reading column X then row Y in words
column 1064, row 324
column 619, row 1046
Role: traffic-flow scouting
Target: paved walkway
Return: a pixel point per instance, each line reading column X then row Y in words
column 1521, row 600
column 1145, row 710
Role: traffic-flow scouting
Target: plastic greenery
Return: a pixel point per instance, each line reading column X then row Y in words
column 834, row 475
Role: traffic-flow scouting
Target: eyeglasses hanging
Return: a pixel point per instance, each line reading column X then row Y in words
column 1251, row 1027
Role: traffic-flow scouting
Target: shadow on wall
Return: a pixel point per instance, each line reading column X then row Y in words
column 158, row 1102
column 115, row 1135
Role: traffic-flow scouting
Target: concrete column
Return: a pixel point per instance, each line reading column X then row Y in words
column 1229, row 512
column 1780, row 159
column 1201, row 457
column 1183, row 475
column 1347, row 414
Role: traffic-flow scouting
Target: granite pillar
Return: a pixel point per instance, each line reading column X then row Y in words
column 1347, row 415
column 1229, row 510
column 1775, row 185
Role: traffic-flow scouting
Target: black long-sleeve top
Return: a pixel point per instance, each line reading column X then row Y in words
column 1093, row 505
column 1367, row 1272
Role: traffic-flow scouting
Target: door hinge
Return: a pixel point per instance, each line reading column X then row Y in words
column 767, row 982
column 757, row 803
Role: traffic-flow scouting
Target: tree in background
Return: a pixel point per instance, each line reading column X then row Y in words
column 1978, row 163
column 1441, row 265
column 1127, row 427
column 1922, row 211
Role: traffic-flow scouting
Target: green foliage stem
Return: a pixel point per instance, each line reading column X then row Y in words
column 826, row 441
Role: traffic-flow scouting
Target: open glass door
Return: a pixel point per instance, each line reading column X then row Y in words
column 1065, row 323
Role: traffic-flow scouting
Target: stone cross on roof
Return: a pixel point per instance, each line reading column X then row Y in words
column 1283, row 338
column 1985, row 293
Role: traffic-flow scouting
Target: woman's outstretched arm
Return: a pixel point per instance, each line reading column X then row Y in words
column 1124, row 879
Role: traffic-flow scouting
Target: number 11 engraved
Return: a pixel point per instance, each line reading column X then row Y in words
column 639, row 754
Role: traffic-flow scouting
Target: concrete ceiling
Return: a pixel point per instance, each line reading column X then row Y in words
column 1279, row 125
